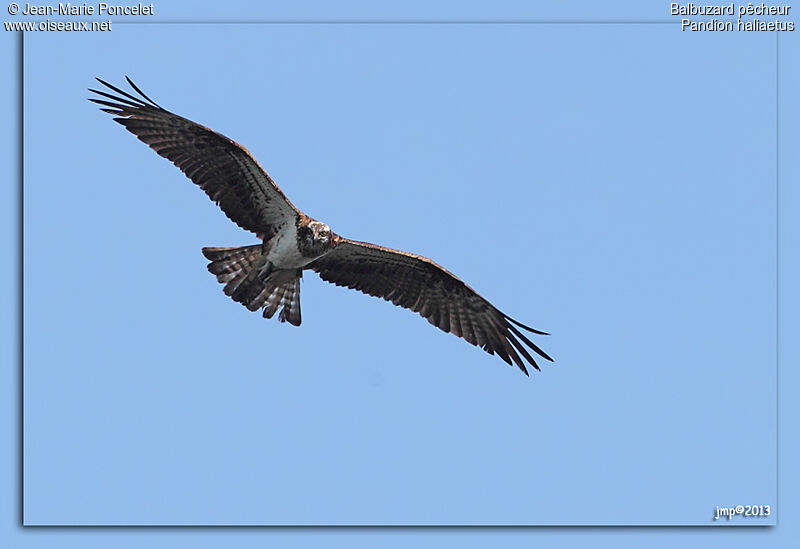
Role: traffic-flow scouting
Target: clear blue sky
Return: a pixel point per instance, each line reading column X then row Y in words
column 606, row 183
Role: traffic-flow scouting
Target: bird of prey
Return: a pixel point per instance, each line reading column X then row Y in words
column 267, row 275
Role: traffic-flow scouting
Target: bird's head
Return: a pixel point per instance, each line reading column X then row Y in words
column 315, row 238
column 320, row 232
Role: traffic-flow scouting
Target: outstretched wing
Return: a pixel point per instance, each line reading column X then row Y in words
column 225, row 170
column 417, row 283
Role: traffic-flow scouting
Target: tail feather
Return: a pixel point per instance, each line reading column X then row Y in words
column 285, row 296
column 291, row 304
column 240, row 269
column 227, row 261
column 257, row 302
column 234, row 282
column 273, row 301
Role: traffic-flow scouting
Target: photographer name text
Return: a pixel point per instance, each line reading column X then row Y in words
column 102, row 8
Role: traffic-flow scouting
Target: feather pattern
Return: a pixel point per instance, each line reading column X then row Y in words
column 225, row 170
column 246, row 282
column 417, row 283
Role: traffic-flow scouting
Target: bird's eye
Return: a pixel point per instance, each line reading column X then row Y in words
column 324, row 231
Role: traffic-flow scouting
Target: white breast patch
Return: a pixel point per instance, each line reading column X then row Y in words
column 284, row 253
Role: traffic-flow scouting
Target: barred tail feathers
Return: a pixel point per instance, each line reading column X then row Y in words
column 285, row 296
column 241, row 270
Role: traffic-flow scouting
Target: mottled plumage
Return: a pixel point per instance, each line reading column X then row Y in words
column 267, row 276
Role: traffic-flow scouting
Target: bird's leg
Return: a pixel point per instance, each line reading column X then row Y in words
column 264, row 269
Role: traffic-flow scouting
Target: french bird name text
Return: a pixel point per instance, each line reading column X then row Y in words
column 735, row 17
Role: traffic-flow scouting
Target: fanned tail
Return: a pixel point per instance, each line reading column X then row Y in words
column 246, row 282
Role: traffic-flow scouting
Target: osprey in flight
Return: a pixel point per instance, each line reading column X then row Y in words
column 267, row 275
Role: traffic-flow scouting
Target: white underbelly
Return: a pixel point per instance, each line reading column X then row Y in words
column 283, row 254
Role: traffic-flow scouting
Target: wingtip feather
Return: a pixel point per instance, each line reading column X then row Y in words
column 523, row 326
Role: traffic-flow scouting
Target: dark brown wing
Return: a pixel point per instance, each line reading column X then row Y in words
column 417, row 283
column 225, row 170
